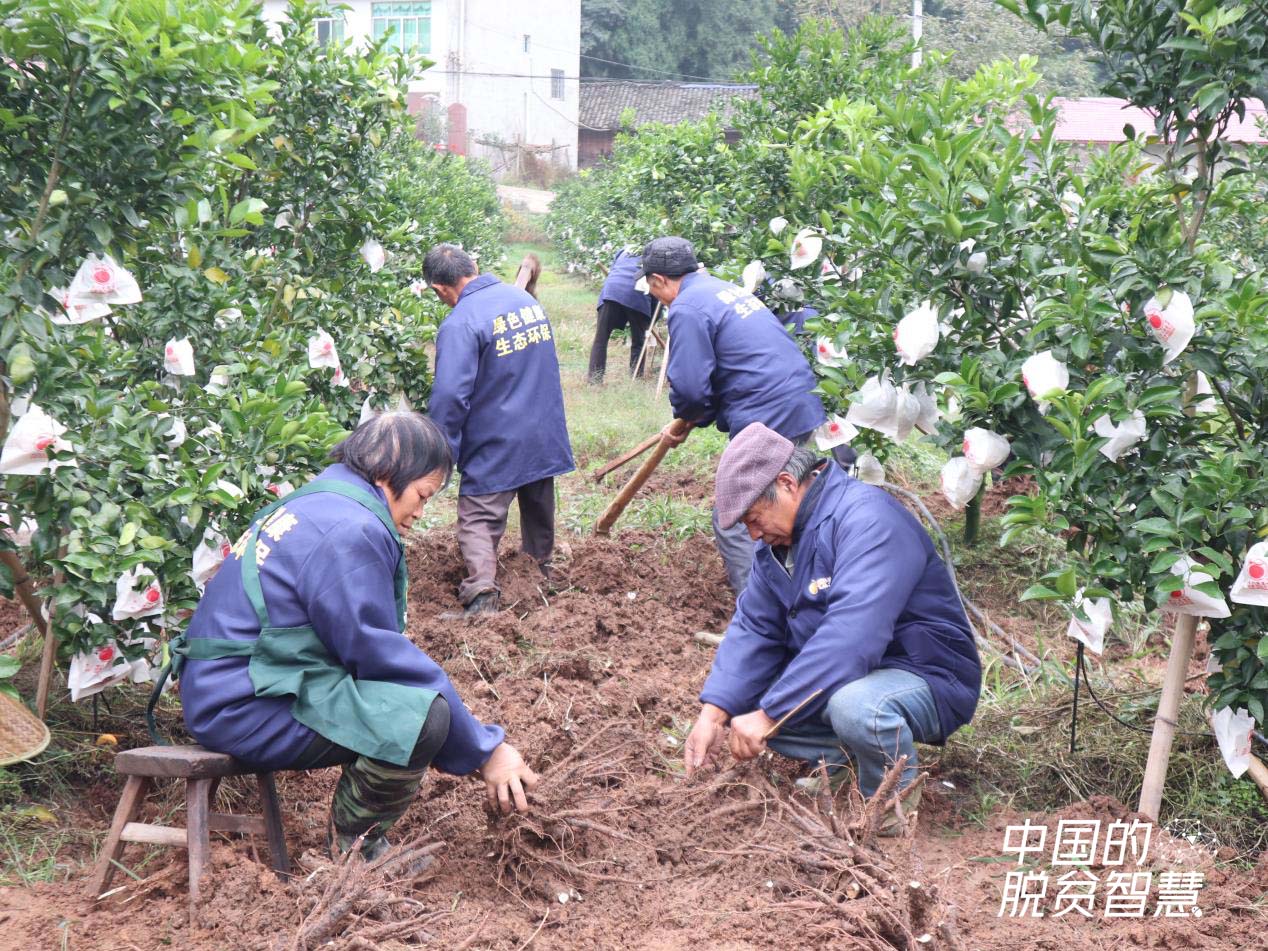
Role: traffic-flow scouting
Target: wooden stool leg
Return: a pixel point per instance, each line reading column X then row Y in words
column 278, row 858
column 196, row 832
column 112, row 848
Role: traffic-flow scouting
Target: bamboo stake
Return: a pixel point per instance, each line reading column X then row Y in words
column 680, row 427
column 1165, row 719
column 789, row 715
column 630, row 456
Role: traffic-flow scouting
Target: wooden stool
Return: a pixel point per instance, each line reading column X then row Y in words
column 202, row 771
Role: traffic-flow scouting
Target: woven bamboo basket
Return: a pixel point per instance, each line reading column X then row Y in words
column 22, row 733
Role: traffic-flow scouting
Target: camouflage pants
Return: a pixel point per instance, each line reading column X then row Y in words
column 372, row 794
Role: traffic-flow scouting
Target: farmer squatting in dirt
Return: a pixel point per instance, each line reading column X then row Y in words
column 847, row 597
column 497, row 398
column 732, row 363
column 295, row 657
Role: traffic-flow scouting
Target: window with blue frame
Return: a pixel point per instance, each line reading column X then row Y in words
column 407, row 24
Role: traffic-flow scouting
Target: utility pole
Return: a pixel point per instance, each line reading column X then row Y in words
column 917, row 29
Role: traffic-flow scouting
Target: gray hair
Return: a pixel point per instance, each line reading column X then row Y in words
column 800, row 464
column 396, row 448
column 447, row 264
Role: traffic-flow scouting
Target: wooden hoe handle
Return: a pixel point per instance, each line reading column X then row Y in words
column 680, row 427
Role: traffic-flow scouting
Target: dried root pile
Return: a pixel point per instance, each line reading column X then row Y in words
column 354, row 905
column 609, row 823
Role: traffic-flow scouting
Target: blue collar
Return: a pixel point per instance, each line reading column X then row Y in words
column 478, row 283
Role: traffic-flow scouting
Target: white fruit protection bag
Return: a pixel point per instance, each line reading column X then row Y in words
column 75, row 313
column 26, row 450
column 984, row 449
column 1123, row 436
column 100, row 280
column 372, row 254
column 1043, row 373
column 829, row 354
column 1251, row 586
column 805, row 249
column 960, row 481
column 837, row 431
column 754, row 274
column 916, row 335
column 209, row 555
column 1172, row 325
column 178, row 357
column 137, row 595
column 869, row 469
column 1091, row 633
column 321, row 351
column 1232, row 732
column 1188, row 600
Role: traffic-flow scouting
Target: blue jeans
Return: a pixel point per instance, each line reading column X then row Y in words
column 872, row 721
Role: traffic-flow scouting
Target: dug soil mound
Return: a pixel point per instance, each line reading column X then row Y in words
column 594, row 674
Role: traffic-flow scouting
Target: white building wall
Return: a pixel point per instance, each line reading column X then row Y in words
column 480, row 60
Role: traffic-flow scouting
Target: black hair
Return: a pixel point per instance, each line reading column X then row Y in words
column 396, row 448
column 447, row 264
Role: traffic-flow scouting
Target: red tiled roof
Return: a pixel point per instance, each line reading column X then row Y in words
column 1101, row 120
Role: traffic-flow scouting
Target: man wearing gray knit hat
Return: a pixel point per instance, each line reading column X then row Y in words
column 848, row 605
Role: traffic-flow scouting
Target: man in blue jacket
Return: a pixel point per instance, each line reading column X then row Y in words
column 621, row 305
column 847, row 597
column 731, row 362
column 497, row 398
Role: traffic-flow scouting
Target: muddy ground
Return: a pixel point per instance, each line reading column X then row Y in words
column 594, row 676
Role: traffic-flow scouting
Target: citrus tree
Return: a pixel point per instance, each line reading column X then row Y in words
column 213, row 238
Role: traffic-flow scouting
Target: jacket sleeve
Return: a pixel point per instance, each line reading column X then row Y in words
column 349, row 595
column 752, row 652
column 691, row 365
column 877, row 564
column 457, row 362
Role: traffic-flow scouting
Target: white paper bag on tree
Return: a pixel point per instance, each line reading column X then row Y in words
column 875, row 403
column 178, row 357
column 754, row 274
column 1044, row 374
column 1092, row 631
column 1232, row 732
column 1251, row 586
column 209, row 555
column 960, row 481
column 93, row 671
column 829, row 354
column 1122, row 437
column 32, row 436
column 71, row 312
column 805, row 249
column 321, row 351
column 1188, row 600
column 837, row 431
column 869, row 469
column 1199, row 398
column 373, row 255
column 137, row 595
column 916, row 335
column 984, row 449
column 1172, row 325
column 100, row 280
column 927, row 421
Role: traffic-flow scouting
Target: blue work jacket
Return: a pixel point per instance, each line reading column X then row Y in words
column 866, row 591
column 731, row 362
column 496, row 394
column 331, row 568
column 619, row 285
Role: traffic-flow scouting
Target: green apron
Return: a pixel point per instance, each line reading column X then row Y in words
column 376, row 718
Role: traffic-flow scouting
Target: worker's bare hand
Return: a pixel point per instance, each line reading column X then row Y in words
column 508, row 779
column 674, row 438
column 748, row 734
column 704, row 743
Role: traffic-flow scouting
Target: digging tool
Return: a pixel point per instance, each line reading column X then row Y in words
column 789, row 715
column 529, row 271
column 641, row 365
column 679, row 427
column 630, row 456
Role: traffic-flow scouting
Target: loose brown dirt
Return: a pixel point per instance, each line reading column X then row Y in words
column 595, row 674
